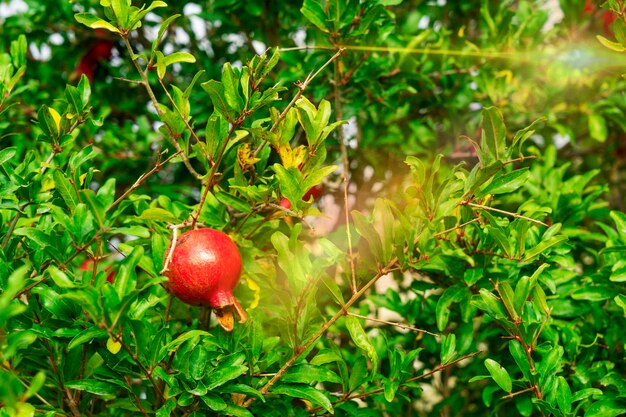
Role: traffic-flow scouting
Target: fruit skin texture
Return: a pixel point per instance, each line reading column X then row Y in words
column 204, row 268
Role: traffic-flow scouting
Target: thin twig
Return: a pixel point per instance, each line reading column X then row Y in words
column 143, row 178
column 508, row 213
column 308, row 48
column 513, row 394
column 455, row 228
column 344, row 177
column 184, row 119
column 402, row 326
column 301, row 87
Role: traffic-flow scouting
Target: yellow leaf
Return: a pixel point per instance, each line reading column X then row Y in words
column 256, row 289
column 507, row 74
column 56, row 116
column 244, row 156
column 462, row 32
column 113, row 346
column 292, row 157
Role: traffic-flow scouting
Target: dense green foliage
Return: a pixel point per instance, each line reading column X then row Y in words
column 465, row 258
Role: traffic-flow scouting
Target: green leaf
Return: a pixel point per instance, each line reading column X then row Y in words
column 35, row 384
column 174, row 344
column 198, row 362
column 597, row 127
column 87, row 335
column 166, row 409
column 215, row 89
column 59, row 277
column 360, row 339
column 216, row 134
column 179, row 57
column 358, row 373
column 494, row 133
column 593, row 293
column 158, row 214
column 224, row 374
column 543, row 246
column 585, row 393
column 506, row 183
column 7, row 154
column 620, row 300
column 213, row 401
column 314, row 12
column 162, row 28
column 93, row 386
column 95, row 207
column 367, row 230
column 290, row 182
column 606, row 408
column 451, row 295
column 242, row 389
column 507, row 296
column 140, row 14
column 230, row 81
column 236, row 411
column 563, row 395
column 619, row 219
column 95, row 22
column 499, row 374
column 64, row 187
column 615, row 46
column 137, row 231
column 491, row 304
column 18, row 51
column 308, row 374
column 305, row 392
column 519, row 356
column 448, row 348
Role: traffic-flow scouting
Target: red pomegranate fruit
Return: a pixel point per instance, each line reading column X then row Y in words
column 204, row 269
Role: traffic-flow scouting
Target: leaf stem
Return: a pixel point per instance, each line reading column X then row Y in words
column 399, row 325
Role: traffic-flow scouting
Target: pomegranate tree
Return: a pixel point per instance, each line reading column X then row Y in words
column 204, row 267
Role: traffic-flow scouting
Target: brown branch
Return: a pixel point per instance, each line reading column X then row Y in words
column 513, row 394
column 391, row 266
column 143, row 178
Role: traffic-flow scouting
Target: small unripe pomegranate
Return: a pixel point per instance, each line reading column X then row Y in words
column 314, row 192
column 204, row 268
